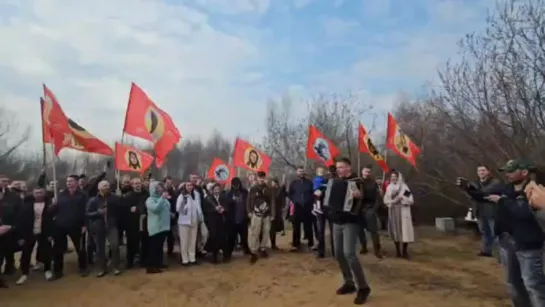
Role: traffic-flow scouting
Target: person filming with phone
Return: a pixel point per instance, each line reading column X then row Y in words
column 485, row 210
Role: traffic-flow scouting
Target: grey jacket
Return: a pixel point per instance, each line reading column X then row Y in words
column 486, row 209
column 97, row 221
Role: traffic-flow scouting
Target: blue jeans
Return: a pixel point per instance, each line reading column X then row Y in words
column 524, row 272
column 486, row 226
column 345, row 238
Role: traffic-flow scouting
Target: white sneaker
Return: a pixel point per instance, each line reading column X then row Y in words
column 21, row 280
column 48, row 275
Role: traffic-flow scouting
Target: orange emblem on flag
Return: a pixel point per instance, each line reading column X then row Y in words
column 399, row 142
column 365, row 145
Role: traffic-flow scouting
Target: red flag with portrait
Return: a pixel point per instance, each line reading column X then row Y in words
column 248, row 157
column 220, row 171
column 146, row 121
column 320, row 148
column 130, row 159
column 399, row 142
column 365, row 145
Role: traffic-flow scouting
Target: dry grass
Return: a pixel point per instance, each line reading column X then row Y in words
column 444, row 272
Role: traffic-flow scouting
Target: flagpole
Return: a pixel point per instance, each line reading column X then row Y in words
column 54, row 162
column 359, row 163
column 385, row 150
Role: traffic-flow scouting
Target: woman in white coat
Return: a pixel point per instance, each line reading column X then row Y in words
column 188, row 206
column 399, row 199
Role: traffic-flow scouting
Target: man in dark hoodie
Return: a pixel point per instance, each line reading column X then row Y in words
column 11, row 204
column 370, row 206
column 239, row 195
column 69, row 210
column 520, row 236
column 134, row 211
column 342, row 203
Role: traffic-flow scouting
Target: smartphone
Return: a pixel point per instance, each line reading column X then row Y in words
column 407, row 193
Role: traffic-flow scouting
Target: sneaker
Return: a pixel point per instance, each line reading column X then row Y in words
column 117, row 272
column 361, row 296
column 346, row 289
column 21, row 280
column 101, row 274
column 48, row 276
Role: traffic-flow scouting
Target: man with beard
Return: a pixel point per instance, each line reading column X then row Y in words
column 10, row 205
column 260, row 207
column 239, row 196
column 301, row 194
column 134, row 213
column 172, row 196
column 370, row 205
column 520, row 236
column 102, row 212
column 35, row 226
column 69, row 210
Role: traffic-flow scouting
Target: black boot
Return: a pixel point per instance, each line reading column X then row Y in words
column 376, row 245
column 398, row 249
column 405, row 251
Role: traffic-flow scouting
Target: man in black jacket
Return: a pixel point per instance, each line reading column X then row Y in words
column 520, row 237
column 301, row 193
column 102, row 213
column 134, row 213
column 69, row 211
column 342, row 203
column 172, row 197
column 370, row 205
column 239, row 196
column 35, row 226
column 10, row 206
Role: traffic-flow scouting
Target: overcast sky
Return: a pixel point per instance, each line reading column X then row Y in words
column 213, row 64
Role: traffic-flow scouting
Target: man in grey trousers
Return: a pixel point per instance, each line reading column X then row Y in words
column 102, row 213
column 342, row 203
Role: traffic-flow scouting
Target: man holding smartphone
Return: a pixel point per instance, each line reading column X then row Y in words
column 484, row 209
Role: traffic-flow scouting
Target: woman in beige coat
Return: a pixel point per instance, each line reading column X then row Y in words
column 399, row 199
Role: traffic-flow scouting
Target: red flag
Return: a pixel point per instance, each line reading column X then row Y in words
column 130, row 159
column 79, row 138
column 220, row 171
column 365, row 145
column 56, row 121
column 145, row 120
column 248, row 157
column 400, row 143
column 319, row 147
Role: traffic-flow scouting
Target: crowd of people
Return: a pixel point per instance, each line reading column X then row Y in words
column 209, row 221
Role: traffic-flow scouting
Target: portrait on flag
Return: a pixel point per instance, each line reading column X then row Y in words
column 133, row 160
column 321, row 148
column 401, row 142
column 252, row 158
column 222, row 173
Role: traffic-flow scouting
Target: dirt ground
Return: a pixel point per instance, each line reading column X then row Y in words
column 443, row 272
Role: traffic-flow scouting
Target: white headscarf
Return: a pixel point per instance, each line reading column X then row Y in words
column 395, row 189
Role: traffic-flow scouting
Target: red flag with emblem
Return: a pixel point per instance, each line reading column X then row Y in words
column 248, row 157
column 146, row 121
column 399, row 142
column 320, row 148
column 130, row 159
column 220, row 171
column 365, row 145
